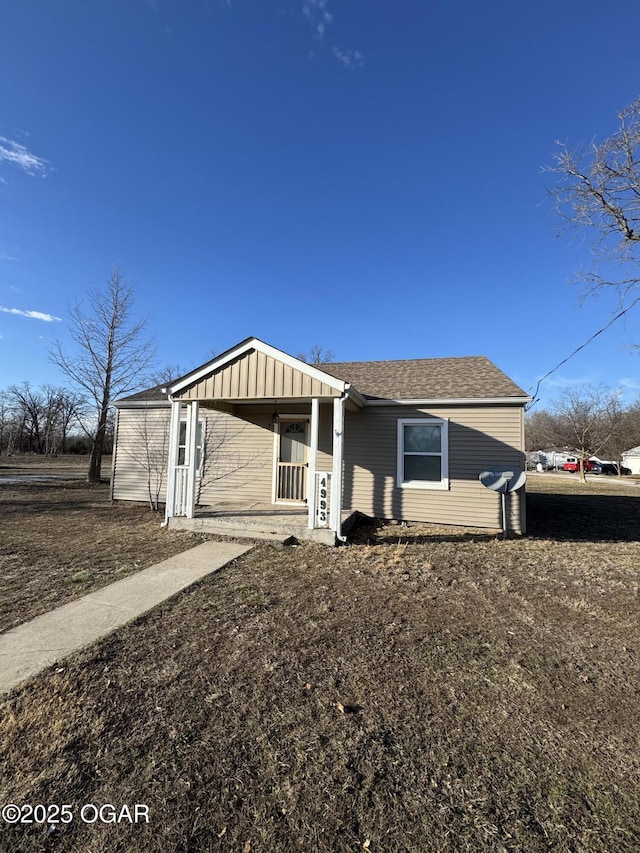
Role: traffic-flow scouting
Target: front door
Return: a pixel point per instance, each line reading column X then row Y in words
column 291, row 476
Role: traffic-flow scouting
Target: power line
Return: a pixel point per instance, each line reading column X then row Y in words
column 581, row 347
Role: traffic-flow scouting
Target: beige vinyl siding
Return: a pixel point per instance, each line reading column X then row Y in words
column 255, row 375
column 238, row 460
column 239, row 450
column 239, row 457
column 140, row 453
column 480, row 438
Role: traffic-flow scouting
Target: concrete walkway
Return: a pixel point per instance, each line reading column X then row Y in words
column 35, row 645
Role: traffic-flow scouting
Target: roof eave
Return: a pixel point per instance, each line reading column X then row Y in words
column 450, row 401
column 141, row 404
column 353, row 394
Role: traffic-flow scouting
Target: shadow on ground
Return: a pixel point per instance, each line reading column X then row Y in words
column 584, row 518
column 561, row 517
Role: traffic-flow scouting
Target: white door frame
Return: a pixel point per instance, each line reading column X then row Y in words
column 285, row 418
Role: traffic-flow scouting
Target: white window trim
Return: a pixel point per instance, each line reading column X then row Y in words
column 443, row 483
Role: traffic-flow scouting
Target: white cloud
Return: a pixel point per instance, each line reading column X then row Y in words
column 33, row 315
column 318, row 14
column 630, row 383
column 349, row 58
column 13, row 152
column 320, row 19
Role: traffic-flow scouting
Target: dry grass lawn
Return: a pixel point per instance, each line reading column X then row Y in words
column 424, row 689
column 62, row 538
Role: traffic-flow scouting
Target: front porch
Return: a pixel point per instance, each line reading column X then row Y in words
column 256, row 444
column 263, row 521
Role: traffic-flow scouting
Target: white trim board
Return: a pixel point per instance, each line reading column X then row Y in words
column 142, row 404
column 453, row 401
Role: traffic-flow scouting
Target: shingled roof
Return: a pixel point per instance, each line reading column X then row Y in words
column 149, row 395
column 467, row 377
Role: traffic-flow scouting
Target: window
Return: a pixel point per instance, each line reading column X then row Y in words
column 292, row 443
column 182, row 444
column 423, row 453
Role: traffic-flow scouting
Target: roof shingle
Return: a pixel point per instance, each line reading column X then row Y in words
column 466, row 377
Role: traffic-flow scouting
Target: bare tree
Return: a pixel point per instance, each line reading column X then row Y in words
column 589, row 421
column 16, row 422
column 72, row 408
column 623, row 428
column 598, row 190
column 37, row 419
column 317, row 355
column 167, row 374
column 582, row 423
column 51, row 416
column 540, row 430
column 109, row 359
column 29, row 411
column 6, row 420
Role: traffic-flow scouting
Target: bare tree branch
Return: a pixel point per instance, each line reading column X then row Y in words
column 317, row 355
column 598, row 190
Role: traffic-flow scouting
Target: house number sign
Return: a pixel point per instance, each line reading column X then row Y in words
column 322, row 505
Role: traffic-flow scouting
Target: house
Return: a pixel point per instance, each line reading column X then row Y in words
column 631, row 460
column 402, row 440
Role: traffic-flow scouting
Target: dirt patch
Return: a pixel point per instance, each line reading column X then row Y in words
column 424, row 689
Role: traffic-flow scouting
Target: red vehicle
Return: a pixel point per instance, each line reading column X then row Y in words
column 572, row 464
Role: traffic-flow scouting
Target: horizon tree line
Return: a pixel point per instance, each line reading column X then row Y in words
column 587, row 421
column 45, row 419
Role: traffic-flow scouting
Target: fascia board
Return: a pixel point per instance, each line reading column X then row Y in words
column 454, row 401
column 141, row 404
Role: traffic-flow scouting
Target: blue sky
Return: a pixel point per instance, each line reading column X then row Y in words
column 362, row 174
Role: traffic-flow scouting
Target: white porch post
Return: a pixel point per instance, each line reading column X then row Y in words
column 174, row 438
column 336, row 474
column 313, row 463
column 192, row 443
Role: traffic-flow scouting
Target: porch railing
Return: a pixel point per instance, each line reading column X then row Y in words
column 181, row 490
column 292, row 478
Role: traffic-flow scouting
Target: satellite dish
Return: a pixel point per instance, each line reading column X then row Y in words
column 503, row 482
column 494, row 480
column 518, row 481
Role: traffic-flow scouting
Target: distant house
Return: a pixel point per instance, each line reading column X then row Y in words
column 402, row 440
column 631, row 460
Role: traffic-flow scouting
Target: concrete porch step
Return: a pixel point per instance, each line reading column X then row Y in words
column 253, row 531
column 208, row 525
column 260, row 525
